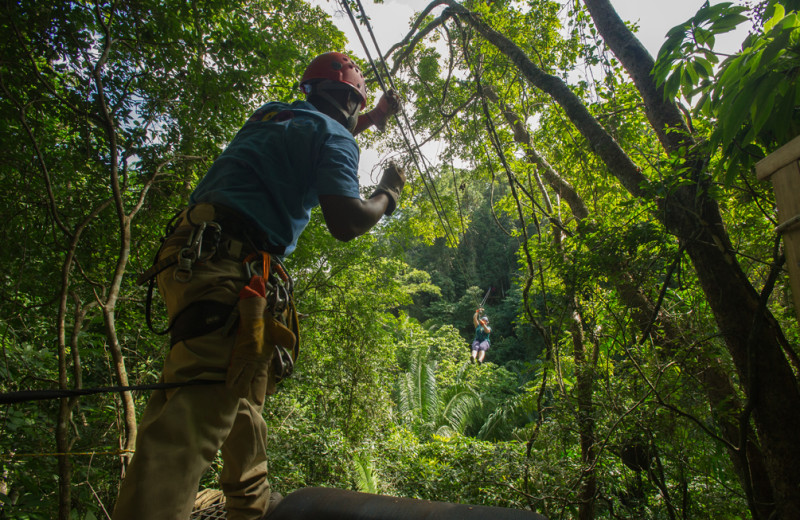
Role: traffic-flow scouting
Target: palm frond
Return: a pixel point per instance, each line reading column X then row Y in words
column 510, row 415
column 460, row 408
column 366, row 479
column 429, row 396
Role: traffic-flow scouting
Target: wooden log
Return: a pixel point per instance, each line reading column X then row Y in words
column 782, row 167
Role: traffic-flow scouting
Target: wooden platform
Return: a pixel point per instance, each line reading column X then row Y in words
column 782, row 167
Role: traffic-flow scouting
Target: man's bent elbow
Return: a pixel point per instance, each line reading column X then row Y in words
column 344, row 233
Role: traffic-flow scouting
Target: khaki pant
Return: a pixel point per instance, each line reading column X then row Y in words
column 182, row 429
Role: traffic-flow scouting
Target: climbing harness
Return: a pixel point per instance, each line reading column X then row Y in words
column 215, row 232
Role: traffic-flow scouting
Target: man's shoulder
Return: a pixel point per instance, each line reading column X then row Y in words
column 273, row 111
column 307, row 122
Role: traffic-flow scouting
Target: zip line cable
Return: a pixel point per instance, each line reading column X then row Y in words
column 448, row 228
column 431, row 190
column 485, row 297
column 462, row 227
column 435, row 196
column 405, row 117
column 39, row 395
column 14, row 455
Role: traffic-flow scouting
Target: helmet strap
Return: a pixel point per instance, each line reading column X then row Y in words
column 349, row 119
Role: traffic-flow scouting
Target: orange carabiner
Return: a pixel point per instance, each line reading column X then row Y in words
column 265, row 259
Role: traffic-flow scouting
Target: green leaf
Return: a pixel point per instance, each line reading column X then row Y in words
column 733, row 167
column 703, row 104
column 777, row 16
column 731, row 120
column 784, row 114
column 693, row 76
column 761, row 109
column 706, row 68
column 755, row 151
column 792, row 21
column 754, row 62
column 673, row 84
column 708, row 11
column 775, row 49
column 703, row 37
column 728, row 23
column 730, row 69
column 710, row 56
column 686, row 81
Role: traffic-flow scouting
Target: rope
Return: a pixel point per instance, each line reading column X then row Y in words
column 69, row 453
column 39, row 395
column 486, row 297
column 427, row 178
column 431, row 190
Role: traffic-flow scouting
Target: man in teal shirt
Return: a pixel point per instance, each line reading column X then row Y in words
column 249, row 209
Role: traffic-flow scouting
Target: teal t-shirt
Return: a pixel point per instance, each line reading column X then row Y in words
column 274, row 170
column 481, row 335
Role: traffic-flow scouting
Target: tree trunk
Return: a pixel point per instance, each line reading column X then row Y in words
column 584, row 388
column 754, row 340
column 719, row 389
column 109, row 320
column 66, row 405
column 722, row 397
column 694, row 217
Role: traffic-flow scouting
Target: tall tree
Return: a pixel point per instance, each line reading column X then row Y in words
column 683, row 202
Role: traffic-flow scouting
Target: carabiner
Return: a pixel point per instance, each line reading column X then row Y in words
column 284, row 367
column 186, row 257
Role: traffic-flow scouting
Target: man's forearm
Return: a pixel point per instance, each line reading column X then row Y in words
column 348, row 218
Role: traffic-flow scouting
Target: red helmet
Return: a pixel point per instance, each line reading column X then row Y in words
column 339, row 67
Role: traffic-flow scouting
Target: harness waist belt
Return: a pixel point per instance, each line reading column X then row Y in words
column 239, row 236
column 233, row 224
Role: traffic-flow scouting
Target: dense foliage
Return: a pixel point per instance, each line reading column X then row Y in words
column 624, row 248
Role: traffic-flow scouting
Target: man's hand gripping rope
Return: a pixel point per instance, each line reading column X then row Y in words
column 388, row 105
column 391, row 183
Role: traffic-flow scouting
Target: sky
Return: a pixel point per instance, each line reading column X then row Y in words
column 391, row 18
column 390, row 22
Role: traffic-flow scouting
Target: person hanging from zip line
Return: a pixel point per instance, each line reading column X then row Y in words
column 481, row 342
column 229, row 299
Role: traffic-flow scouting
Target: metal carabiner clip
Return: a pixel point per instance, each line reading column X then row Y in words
column 189, row 254
column 186, row 257
column 284, row 367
